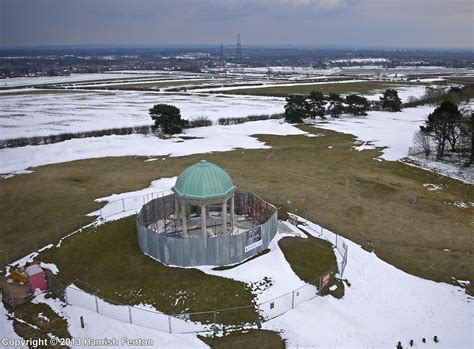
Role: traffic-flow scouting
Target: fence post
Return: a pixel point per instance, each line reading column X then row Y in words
column 293, row 300
column 169, row 324
column 96, row 304
column 123, row 205
column 130, row 314
column 215, row 317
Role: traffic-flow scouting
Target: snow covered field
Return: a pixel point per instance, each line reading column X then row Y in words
column 404, row 92
column 382, row 129
column 26, row 81
column 208, row 139
column 46, row 114
column 382, row 306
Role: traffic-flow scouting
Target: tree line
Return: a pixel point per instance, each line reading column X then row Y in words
column 167, row 118
column 317, row 105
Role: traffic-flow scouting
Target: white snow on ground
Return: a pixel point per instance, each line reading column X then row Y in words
column 25, row 81
column 360, row 60
column 210, row 139
column 6, row 326
column 159, row 80
column 433, row 187
column 383, row 129
column 384, row 305
column 100, row 327
column 272, row 265
column 125, row 204
column 51, row 266
column 463, row 174
column 47, row 114
column 404, row 93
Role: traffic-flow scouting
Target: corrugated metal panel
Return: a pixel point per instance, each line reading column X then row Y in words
column 170, row 250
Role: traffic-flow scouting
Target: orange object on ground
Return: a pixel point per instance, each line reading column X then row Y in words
column 18, row 276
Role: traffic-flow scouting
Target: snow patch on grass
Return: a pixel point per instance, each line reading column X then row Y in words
column 412, row 308
column 463, row 174
column 205, row 140
column 393, row 131
column 433, row 187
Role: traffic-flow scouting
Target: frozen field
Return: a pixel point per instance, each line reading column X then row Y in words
column 26, row 81
column 394, row 131
column 46, row 114
column 206, row 139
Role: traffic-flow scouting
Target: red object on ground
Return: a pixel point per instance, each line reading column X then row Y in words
column 326, row 279
column 36, row 278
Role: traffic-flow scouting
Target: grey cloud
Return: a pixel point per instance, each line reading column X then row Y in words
column 356, row 22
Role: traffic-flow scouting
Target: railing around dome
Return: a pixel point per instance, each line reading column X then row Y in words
column 172, row 249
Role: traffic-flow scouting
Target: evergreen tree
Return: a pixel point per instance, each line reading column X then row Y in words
column 356, row 105
column 167, row 118
column 295, row 109
column 316, row 105
column 335, row 108
column 390, row 101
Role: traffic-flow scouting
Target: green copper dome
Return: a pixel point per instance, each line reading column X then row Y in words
column 203, row 180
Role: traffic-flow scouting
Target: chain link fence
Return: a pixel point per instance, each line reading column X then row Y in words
column 86, row 296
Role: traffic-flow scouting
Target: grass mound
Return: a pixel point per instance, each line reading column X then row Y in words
column 261, row 339
column 309, row 258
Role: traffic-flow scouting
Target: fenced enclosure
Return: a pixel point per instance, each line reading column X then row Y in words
column 172, row 249
column 88, row 297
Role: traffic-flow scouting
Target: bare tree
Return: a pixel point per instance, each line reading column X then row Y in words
column 422, row 139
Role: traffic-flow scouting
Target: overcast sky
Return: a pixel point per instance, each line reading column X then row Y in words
column 381, row 23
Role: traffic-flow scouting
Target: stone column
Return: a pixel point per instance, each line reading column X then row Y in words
column 224, row 216
column 232, row 213
column 177, row 214
column 184, row 225
column 203, row 221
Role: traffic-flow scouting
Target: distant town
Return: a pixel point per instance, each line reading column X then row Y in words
column 63, row 61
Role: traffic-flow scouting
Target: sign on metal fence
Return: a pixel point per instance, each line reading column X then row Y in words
column 324, row 280
column 254, row 239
